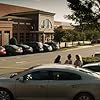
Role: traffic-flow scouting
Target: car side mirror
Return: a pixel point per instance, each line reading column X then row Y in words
column 21, row 79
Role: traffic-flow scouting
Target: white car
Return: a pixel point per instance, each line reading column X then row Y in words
column 97, row 54
column 50, row 82
column 93, row 67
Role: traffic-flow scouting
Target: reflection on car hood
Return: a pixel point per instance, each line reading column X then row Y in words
column 8, row 75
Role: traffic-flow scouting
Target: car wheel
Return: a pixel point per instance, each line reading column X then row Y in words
column 84, row 96
column 5, row 95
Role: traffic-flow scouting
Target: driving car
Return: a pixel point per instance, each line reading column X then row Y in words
column 50, row 82
column 93, row 67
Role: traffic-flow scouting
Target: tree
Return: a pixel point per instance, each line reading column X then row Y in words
column 59, row 34
column 85, row 12
column 13, row 41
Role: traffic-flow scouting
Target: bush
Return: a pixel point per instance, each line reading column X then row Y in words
column 87, row 60
column 13, row 41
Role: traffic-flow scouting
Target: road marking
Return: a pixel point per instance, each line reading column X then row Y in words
column 20, row 62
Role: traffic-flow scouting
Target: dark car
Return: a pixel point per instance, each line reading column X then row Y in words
column 26, row 49
column 13, row 49
column 37, row 46
column 2, row 51
column 54, row 45
column 47, row 48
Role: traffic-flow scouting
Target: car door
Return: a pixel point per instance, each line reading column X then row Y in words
column 34, row 86
column 62, row 85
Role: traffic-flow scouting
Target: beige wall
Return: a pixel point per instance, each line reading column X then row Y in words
column 5, row 26
column 43, row 17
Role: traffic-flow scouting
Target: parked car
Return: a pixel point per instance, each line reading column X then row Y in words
column 47, row 48
column 2, row 51
column 54, row 45
column 13, row 49
column 97, row 54
column 37, row 46
column 26, row 48
column 93, row 67
column 50, row 81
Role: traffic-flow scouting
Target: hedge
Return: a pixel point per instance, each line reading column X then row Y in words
column 87, row 60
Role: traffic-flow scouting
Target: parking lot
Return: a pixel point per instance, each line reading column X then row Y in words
column 13, row 63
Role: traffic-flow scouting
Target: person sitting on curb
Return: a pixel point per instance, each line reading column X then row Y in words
column 58, row 59
column 78, row 62
column 69, row 60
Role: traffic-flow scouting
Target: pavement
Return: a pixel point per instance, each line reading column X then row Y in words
column 9, row 69
column 85, row 46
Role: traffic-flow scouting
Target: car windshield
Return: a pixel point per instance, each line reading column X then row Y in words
column 13, row 74
column 92, row 73
column 17, row 73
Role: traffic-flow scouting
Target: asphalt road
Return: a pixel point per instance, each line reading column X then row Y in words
column 20, row 62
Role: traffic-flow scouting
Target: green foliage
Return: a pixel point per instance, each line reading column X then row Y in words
column 13, row 41
column 59, row 34
column 85, row 12
column 72, row 35
column 67, row 35
column 87, row 60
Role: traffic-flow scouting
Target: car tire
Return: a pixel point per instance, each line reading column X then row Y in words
column 5, row 95
column 84, row 96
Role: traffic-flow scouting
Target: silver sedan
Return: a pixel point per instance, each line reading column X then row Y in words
column 50, row 82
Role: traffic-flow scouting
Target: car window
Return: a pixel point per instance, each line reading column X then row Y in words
column 60, row 75
column 37, row 75
column 94, row 68
column 97, row 55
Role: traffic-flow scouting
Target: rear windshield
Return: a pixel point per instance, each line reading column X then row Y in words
column 97, row 55
column 1, row 47
column 14, row 46
column 40, row 44
column 26, row 46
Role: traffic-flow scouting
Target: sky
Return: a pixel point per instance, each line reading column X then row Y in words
column 55, row 6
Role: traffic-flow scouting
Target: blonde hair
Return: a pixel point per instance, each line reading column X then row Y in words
column 80, row 58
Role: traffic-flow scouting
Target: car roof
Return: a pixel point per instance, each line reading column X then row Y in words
column 91, row 64
column 97, row 52
column 57, row 66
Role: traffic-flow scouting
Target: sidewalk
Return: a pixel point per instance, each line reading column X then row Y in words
column 79, row 47
column 70, row 44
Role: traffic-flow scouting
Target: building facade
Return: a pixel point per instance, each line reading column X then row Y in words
column 5, row 32
column 41, row 25
column 27, row 26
